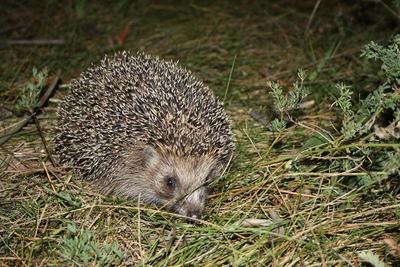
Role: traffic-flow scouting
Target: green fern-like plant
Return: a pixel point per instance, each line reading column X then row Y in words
column 29, row 98
column 285, row 104
column 79, row 248
column 386, row 97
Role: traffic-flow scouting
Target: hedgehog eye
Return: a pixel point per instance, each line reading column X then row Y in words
column 170, row 182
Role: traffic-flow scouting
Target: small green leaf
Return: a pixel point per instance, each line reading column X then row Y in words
column 315, row 140
column 72, row 228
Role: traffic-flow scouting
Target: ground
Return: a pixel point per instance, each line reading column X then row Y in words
column 310, row 209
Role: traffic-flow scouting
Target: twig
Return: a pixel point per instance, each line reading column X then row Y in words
column 48, row 177
column 43, row 139
column 27, row 119
column 49, row 90
column 229, row 78
column 388, row 8
column 40, row 220
column 311, row 18
column 35, row 42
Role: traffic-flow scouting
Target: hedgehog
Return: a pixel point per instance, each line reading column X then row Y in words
column 145, row 129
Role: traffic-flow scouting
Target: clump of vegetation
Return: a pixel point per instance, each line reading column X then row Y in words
column 383, row 101
column 29, row 97
column 286, row 104
column 357, row 147
column 362, row 123
column 79, row 247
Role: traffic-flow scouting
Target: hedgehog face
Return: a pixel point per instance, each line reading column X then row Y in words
column 179, row 182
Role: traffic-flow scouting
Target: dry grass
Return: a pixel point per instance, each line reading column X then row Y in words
column 311, row 215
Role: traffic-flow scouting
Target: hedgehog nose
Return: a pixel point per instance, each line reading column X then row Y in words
column 193, row 214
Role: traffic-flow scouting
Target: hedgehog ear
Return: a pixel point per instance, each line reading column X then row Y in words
column 150, row 155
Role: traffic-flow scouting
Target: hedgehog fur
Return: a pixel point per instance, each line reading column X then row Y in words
column 147, row 129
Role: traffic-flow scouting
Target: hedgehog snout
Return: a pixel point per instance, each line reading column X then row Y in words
column 192, row 205
column 194, row 213
column 191, row 211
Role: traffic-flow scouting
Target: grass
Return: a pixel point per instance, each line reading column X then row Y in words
column 320, row 201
